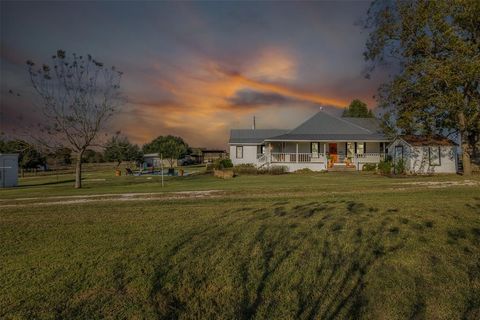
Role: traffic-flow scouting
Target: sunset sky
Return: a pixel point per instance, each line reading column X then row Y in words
column 195, row 69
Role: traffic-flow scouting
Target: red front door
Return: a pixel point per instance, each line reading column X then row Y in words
column 332, row 150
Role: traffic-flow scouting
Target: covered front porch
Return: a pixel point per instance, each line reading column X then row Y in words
column 322, row 155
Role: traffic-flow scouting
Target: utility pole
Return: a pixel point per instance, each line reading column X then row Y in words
column 161, row 166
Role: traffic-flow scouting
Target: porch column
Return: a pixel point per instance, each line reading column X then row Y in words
column 269, row 152
column 325, row 155
column 296, row 156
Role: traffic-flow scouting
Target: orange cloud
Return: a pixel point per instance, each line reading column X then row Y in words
column 273, row 64
column 289, row 92
column 201, row 109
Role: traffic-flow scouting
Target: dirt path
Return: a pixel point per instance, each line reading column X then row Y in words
column 205, row 194
column 442, row 184
column 67, row 200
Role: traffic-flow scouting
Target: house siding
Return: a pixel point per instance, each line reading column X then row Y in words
column 249, row 154
column 372, row 147
column 417, row 159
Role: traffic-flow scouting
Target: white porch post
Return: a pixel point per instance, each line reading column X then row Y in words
column 269, row 152
column 325, row 154
column 296, row 155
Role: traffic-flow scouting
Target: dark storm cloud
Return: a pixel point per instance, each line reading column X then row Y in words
column 251, row 98
column 176, row 58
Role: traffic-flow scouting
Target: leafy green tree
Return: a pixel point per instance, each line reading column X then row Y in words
column 388, row 125
column 92, row 156
column 357, row 109
column 437, row 46
column 61, row 156
column 169, row 147
column 119, row 149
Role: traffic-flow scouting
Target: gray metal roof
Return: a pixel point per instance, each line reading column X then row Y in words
column 324, row 126
column 329, row 137
column 320, row 127
column 371, row 124
column 253, row 136
column 420, row 140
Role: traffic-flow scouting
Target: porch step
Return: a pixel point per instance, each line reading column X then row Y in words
column 341, row 168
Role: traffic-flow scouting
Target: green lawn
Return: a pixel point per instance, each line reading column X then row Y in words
column 317, row 246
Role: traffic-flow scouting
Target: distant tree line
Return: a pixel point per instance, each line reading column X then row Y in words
column 33, row 157
column 118, row 150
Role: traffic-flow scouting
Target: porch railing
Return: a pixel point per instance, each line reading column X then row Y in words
column 370, row 157
column 318, row 157
column 296, row 157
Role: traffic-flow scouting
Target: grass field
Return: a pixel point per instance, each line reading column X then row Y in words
column 316, row 246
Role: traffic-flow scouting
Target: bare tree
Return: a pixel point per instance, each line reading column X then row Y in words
column 78, row 95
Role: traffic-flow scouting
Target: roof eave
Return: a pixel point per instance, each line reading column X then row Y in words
column 328, row 140
column 246, row 143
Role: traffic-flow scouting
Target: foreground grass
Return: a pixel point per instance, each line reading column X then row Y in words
column 308, row 247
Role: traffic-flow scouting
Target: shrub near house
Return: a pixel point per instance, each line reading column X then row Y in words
column 385, row 167
column 222, row 168
column 369, row 167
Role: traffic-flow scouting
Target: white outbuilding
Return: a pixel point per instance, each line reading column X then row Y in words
column 425, row 154
column 154, row 160
column 8, row 170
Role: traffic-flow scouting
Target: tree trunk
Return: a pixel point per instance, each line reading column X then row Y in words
column 78, row 170
column 466, row 161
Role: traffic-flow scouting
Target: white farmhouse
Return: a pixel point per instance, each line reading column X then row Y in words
column 323, row 142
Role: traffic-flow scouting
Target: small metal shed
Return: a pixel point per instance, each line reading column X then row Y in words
column 8, row 170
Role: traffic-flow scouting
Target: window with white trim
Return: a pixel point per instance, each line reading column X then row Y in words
column 360, row 147
column 434, row 156
column 261, row 149
column 239, row 153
